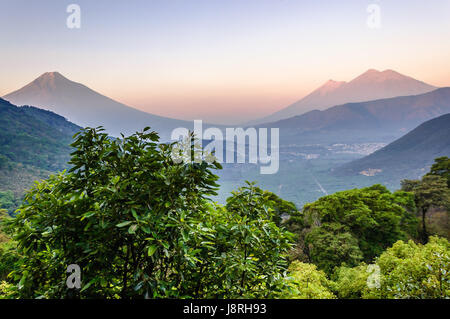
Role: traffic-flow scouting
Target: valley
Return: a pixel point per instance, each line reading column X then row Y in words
column 306, row 172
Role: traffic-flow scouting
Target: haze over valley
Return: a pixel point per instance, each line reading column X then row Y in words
column 313, row 145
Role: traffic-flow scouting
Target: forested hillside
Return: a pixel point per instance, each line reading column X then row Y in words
column 33, row 143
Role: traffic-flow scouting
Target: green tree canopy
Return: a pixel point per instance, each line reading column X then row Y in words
column 141, row 225
column 367, row 220
column 441, row 167
column 306, row 282
column 430, row 191
column 3, row 217
column 331, row 245
column 410, row 270
column 405, row 270
column 351, row 283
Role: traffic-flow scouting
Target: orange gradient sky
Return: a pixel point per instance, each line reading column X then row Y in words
column 220, row 61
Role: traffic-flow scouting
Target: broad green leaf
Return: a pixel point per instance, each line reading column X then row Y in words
column 151, row 250
column 123, row 224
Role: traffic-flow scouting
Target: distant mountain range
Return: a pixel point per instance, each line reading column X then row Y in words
column 35, row 143
column 394, row 116
column 371, row 85
column 408, row 157
column 85, row 107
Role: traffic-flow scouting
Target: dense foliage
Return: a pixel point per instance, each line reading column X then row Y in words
column 410, row 270
column 141, row 225
column 405, row 270
column 9, row 257
column 355, row 225
column 306, row 282
column 441, row 167
column 33, row 144
column 138, row 224
column 429, row 192
column 351, row 283
column 331, row 245
column 31, row 136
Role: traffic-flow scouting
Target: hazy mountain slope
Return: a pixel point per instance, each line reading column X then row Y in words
column 394, row 115
column 33, row 143
column 35, row 137
column 85, row 107
column 371, row 85
column 411, row 155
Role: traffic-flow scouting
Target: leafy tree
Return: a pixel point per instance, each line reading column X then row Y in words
column 9, row 258
column 371, row 218
column 306, row 282
column 282, row 208
column 3, row 217
column 258, row 259
column 124, row 214
column 141, row 225
column 351, row 283
column 332, row 245
column 430, row 191
column 441, row 167
column 405, row 270
column 410, row 270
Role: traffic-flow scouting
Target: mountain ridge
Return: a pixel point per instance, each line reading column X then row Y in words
column 86, row 107
column 398, row 113
column 28, row 132
column 34, row 143
column 370, row 85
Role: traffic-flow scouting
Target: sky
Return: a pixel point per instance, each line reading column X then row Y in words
column 221, row 61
